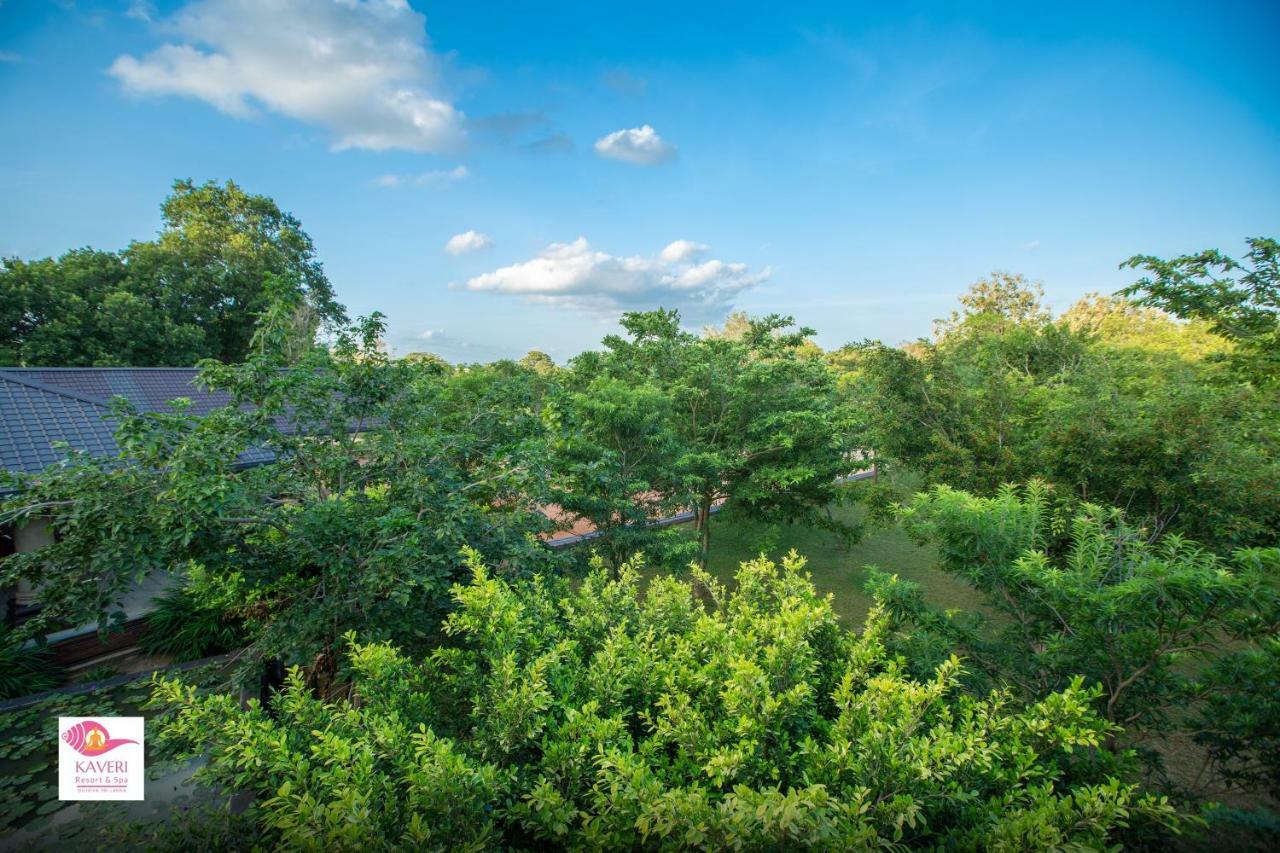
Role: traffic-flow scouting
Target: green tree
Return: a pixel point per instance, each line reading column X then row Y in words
column 81, row 310
column 539, row 362
column 356, row 520
column 613, row 458
column 1114, row 403
column 757, row 420
column 686, row 717
column 221, row 257
column 1079, row 592
column 1241, row 301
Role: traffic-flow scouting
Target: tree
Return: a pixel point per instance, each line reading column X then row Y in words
column 687, row 717
column 221, row 257
column 1241, row 301
column 1080, row 592
column 1114, row 403
column 1000, row 301
column 758, row 424
column 375, row 474
column 613, row 458
column 82, row 310
column 539, row 362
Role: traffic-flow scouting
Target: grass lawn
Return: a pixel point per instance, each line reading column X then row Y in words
column 837, row 570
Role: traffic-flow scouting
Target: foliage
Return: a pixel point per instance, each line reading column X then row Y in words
column 98, row 672
column 1113, row 404
column 1240, row 300
column 189, row 624
column 1239, row 718
column 687, row 717
column 25, row 668
column 1000, row 301
column 1079, row 592
column 188, row 294
column 614, row 447
column 371, row 485
column 753, row 418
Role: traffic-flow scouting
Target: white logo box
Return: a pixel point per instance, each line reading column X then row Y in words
column 101, row 758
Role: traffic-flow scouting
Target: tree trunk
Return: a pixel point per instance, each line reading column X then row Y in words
column 703, row 524
column 270, row 679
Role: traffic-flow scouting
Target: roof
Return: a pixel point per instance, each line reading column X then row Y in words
column 43, row 405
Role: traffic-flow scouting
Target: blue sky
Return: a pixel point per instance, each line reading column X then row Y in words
column 855, row 165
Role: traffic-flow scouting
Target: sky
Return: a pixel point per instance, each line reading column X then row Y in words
column 503, row 177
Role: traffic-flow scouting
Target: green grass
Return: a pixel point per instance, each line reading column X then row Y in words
column 836, row 569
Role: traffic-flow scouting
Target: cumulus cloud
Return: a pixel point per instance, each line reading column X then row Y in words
column 432, row 178
column 359, row 68
column 467, row 242
column 574, row 275
column 640, row 145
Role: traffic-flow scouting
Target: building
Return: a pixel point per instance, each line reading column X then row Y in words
column 42, row 408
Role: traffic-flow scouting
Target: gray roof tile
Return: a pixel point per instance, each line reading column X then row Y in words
column 41, row 405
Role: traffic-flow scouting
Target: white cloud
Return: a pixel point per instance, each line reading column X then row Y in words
column 141, row 10
column 574, row 275
column 640, row 145
column 682, row 250
column 10, row 56
column 359, row 68
column 434, row 178
column 1032, row 246
column 467, row 242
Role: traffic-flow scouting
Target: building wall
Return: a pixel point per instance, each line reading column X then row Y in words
column 31, row 536
column 136, row 601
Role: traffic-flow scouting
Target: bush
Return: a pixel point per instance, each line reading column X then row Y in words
column 1162, row 625
column 686, row 717
column 25, row 669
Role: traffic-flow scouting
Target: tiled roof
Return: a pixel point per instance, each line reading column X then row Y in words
column 148, row 388
column 41, row 405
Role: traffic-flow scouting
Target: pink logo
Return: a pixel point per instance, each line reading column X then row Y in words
column 91, row 738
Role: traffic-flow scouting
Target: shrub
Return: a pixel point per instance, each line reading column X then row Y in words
column 25, row 669
column 184, row 628
column 1157, row 623
column 686, row 717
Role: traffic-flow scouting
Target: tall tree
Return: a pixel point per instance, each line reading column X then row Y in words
column 221, row 256
column 756, row 417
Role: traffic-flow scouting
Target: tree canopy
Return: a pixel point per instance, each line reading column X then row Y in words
column 753, row 420
column 1113, row 403
column 190, row 293
column 379, row 472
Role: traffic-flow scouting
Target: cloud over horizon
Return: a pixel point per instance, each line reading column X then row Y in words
column 362, row 69
column 641, row 146
column 575, row 276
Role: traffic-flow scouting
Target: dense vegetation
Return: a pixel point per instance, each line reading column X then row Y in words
column 1100, row 483
column 189, row 294
column 690, row 716
column 1112, row 403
